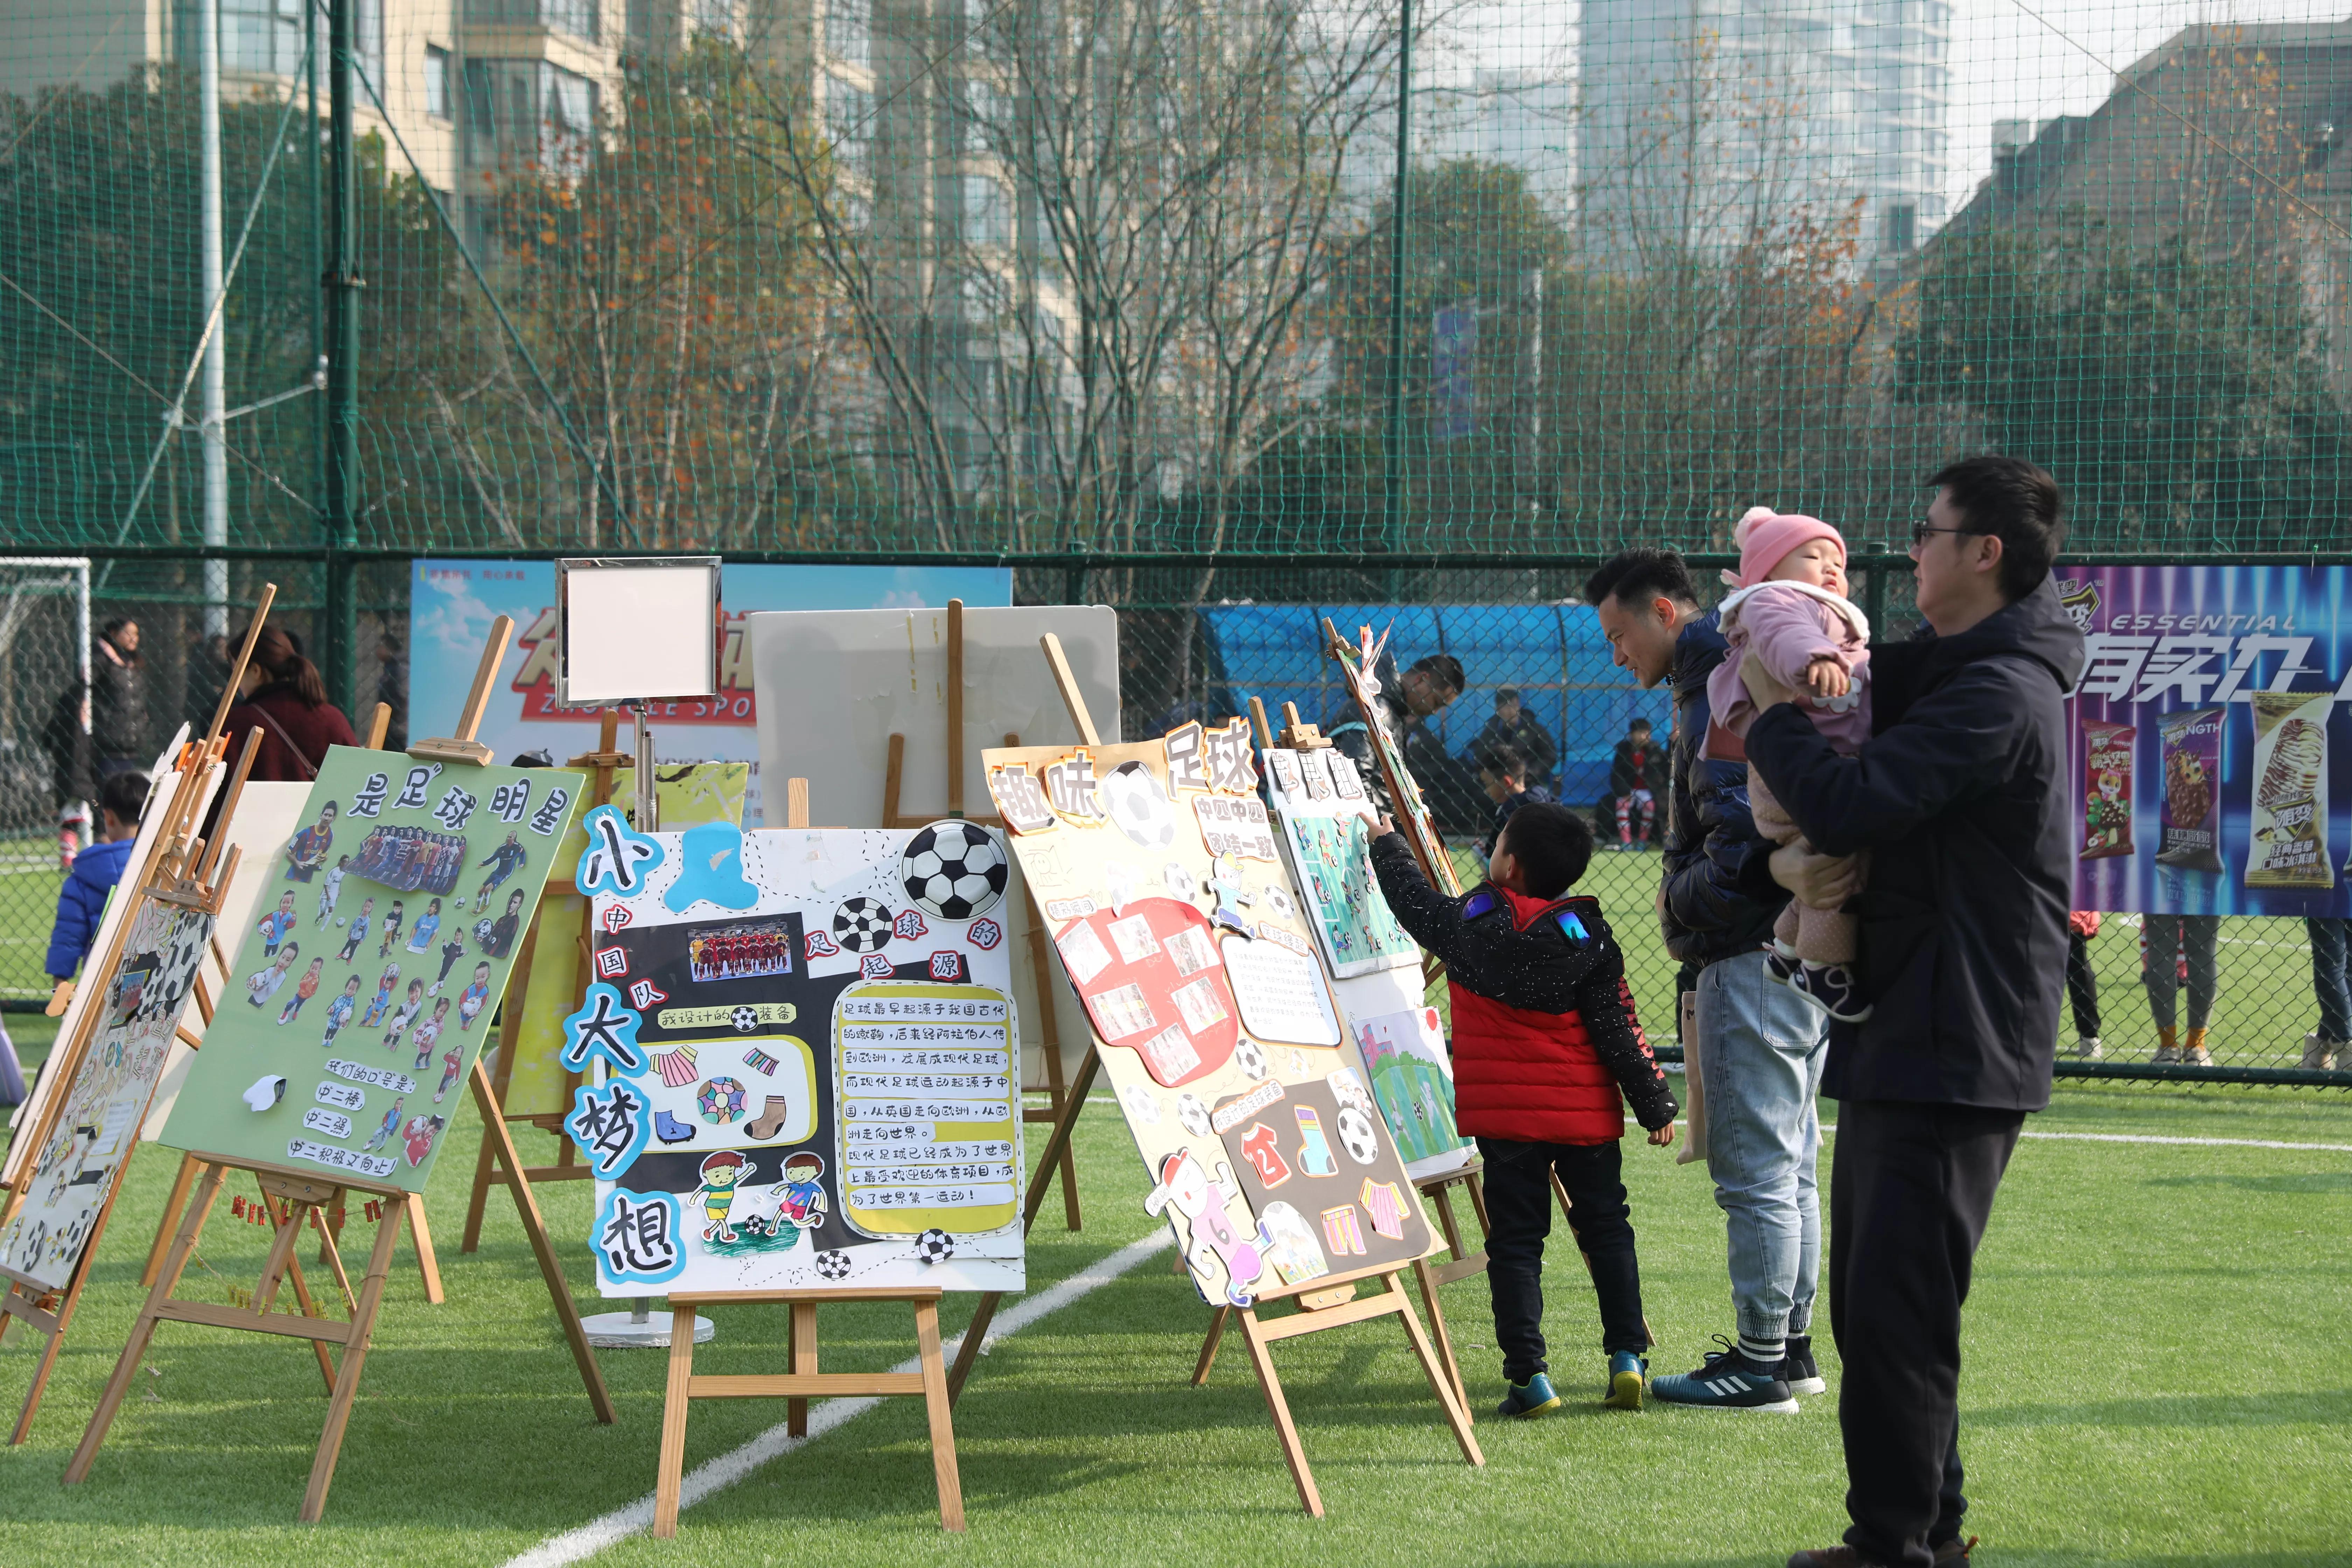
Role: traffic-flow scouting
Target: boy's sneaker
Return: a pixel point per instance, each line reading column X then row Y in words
column 1533, row 1397
column 1729, row 1381
column 2087, row 1047
column 1629, row 1379
column 1832, row 986
column 1798, row 1368
column 2319, row 1052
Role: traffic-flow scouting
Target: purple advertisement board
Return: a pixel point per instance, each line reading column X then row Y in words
column 2209, row 742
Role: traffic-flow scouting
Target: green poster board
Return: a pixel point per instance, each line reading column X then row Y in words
column 359, row 999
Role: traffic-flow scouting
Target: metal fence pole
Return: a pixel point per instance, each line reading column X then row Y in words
column 342, row 284
column 1392, row 466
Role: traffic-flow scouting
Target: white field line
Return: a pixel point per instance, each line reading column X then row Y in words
column 1830, row 1128
column 717, row 1474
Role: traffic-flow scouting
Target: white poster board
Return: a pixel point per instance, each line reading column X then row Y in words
column 637, row 630
column 833, row 686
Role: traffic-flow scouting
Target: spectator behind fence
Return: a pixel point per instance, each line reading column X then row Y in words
column 1758, row 1046
column 1504, row 776
column 2325, row 1047
column 118, row 701
column 1961, row 794
column 391, row 687
column 2082, row 983
column 2174, row 948
column 1515, row 727
column 1637, row 777
column 81, row 900
column 282, row 696
column 1410, row 700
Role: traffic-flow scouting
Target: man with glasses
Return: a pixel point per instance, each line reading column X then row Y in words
column 1961, row 797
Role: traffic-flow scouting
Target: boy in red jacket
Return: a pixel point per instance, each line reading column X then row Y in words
column 1545, row 1039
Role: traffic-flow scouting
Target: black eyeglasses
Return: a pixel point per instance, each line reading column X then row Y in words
column 1922, row 529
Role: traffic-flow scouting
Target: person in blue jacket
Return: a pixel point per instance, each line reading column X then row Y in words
column 96, row 870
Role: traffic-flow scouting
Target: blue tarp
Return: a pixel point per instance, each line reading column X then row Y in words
column 1554, row 654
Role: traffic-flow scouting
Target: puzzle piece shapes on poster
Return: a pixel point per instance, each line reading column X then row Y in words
column 710, row 867
column 604, row 1026
column 1185, row 1187
column 618, row 858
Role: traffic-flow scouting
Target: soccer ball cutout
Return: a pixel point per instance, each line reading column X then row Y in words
column 721, row 1101
column 934, row 1246
column 954, row 871
column 1356, row 1136
column 1278, row 900
column 745, row 1019
column 1250, row 1056
column 1138, row 808
column 1192, row 1114
column 1181, row 883
column 834, row 1265
column 861, row 925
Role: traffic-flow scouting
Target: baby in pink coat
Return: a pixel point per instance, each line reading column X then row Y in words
column 1788, row 608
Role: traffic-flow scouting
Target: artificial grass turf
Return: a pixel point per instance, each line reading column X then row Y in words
column 2147, row 1382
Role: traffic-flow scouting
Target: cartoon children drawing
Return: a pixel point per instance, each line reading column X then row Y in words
column 416, row 1138
column 800, row 1196
column 450, row 1060
column 504, row 862
column 390, row 1124
column 403, row 1016
column 304, row 989
column 263, row 984
column 277, row 923
column 331, row 887
column 339, row 1010
column 720, row 1172
column 391, row 929
column 307, row 852
column 382, row 1001
column 357, row 931
column 475, row 997
column 428, row 924
column 451, row 951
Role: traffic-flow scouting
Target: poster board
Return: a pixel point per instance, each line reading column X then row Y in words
column 144, row 847
column 835, row 685
column 802, row 1042
column 622, row 630
column 302, row 1066
column 1360, row 668
column 1325, row 811
column 1163, row 889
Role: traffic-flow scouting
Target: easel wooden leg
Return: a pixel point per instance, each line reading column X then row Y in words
column 669, row 1468
column 290, row 1220
column 1456, row 1415
column 164, row 1226
column 1285, row 1430
column 427, row 1264
column 937, row 1405
column 60, row 1322
column 1057, row 1092
column 1426, row 1278
column 1209, row 1346
column 550, row 1268
column 355, row 1349
column 485, row 1171
column 142, row 1332
column 800, row 1347
column 985, row 1312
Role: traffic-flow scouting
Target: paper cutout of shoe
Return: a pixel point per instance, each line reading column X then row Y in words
column 670, row 1129
column 771, row 1117
column 266, row 1092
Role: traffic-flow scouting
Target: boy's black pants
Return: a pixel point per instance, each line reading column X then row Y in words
column 1911, row 1187
column 1518, row 1217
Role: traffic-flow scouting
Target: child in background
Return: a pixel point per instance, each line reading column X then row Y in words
column 1637, row 777
column 304, row 989
column 2082, row 984
column 339, row 1010
column 1547, row 1051
column 82, row 899
column 1789, row 609
column 1504, row 776
column 391, row 929
column 332, row 888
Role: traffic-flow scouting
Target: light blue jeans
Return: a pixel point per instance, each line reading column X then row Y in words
column 1760, row 1047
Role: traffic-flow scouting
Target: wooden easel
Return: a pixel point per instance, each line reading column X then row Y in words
column 308, row 1198
column 803, row 1382
column 183, row 871
column 1049, row 1036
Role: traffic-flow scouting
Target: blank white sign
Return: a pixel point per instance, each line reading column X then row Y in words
column 639, row 632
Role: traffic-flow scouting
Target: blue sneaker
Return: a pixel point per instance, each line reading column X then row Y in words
column 1629, row 1378
column 1531, row 1398
column 1728, row 1381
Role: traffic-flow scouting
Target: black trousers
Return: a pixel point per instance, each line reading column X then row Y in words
column 1911, row 1188
column 1518, row 1217
column 2081, row 985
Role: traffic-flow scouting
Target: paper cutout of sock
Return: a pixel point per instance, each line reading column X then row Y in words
column 710, row 866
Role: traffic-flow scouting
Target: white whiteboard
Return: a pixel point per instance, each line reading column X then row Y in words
column 639, row 630
column 833, row 686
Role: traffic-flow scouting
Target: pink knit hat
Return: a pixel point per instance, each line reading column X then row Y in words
column 1766, row 537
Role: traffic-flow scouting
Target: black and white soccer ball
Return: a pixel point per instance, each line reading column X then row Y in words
column 934, row 1246
column 954, row 871
column 745, row 1019
column 834, row 1265
column 1192, row 1114
column 861, row 924
column 1357, row 1137
column 1250, row 1056
column 1278, row 900
column 1179, row 883
column 1139, row 807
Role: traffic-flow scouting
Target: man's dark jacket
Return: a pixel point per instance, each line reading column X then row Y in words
column 118, row 705
column 1721, row 896
column 1962, row 790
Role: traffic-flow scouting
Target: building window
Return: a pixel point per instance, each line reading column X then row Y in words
column 848, row 121
column 577, row 18
column 849, row 31
column 1898, row 229
column 527, row 114
column 987, row 211
column 264, row 37
column 436, row 82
